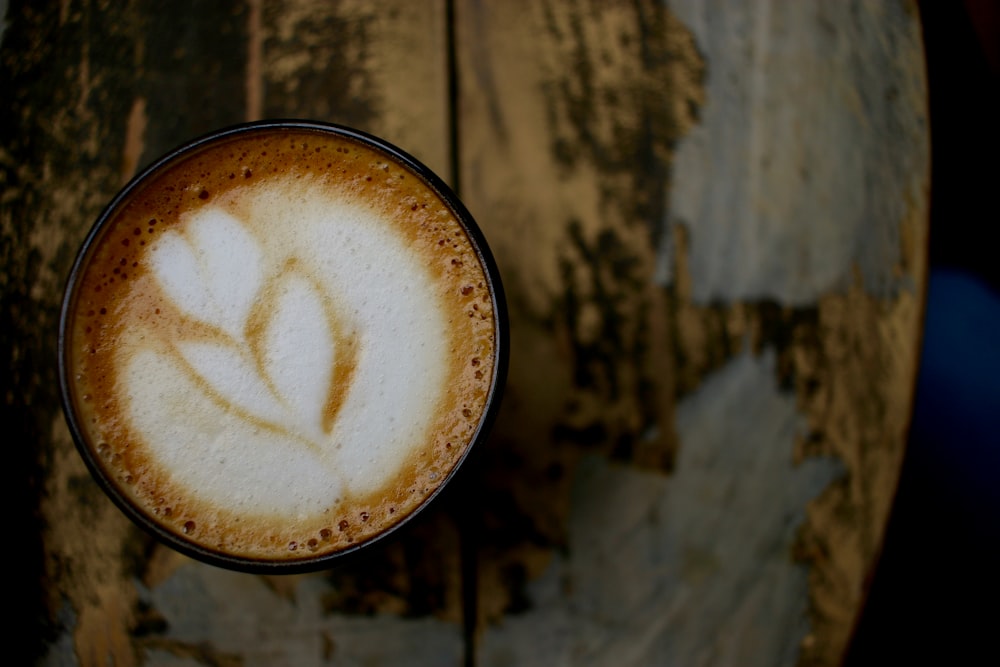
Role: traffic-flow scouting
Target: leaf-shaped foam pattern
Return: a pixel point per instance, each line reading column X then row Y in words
column 214, row 274
column 331, row 347
column 299, row 351
column 176, row 268
column 235, row 381
column 230, row 260
column 205, row 444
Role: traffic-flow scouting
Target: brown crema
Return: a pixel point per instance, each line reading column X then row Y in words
column 117, row 293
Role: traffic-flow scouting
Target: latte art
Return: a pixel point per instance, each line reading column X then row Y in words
column 283, row 345
column 268, row 342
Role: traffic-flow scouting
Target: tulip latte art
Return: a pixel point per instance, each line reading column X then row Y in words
column 282, row 344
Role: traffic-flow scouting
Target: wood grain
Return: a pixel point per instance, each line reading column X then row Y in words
column 717, row 210
column 98, row 91
column 711, row 221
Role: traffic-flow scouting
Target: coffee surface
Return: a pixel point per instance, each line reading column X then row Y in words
column 283, row 344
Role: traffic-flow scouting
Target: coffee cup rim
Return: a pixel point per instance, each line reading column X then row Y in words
column 493, row 398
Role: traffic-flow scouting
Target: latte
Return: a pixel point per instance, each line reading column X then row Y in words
column 279, row 343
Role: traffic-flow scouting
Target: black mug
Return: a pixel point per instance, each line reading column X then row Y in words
column 279, row 343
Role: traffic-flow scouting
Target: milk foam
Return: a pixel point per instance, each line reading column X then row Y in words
column 314, row 360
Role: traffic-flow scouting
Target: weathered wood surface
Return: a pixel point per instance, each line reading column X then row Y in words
column 711, row 220
column 755, row 174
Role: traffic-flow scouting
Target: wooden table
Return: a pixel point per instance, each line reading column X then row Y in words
column 711, row 220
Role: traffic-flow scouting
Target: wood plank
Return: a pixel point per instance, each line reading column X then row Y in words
column 382, row 69
column 92, row 92
column 711, row 220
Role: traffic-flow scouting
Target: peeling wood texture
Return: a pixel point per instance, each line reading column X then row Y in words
column 711, row 220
